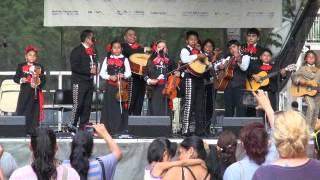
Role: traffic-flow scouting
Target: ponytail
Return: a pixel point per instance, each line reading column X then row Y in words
column 43, row 143
column 81, row 150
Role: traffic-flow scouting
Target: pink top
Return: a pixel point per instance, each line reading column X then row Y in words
column 27, row 173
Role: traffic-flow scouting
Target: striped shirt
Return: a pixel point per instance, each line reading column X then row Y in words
column 95, row 172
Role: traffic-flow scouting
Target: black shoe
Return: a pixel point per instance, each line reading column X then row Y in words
column 71, row 128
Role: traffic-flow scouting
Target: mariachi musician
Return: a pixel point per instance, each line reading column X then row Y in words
column 208, row 48
column 155, row 75
column 116, row 71
column 193, row 89
column 30, row 76
column 234, row 88
column 137, row 85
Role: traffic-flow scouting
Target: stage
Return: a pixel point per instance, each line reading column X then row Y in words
column 130, row 167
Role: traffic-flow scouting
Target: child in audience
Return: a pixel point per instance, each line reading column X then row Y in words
column 81, row 151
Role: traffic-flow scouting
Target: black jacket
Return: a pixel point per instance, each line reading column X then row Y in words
column 80, row 64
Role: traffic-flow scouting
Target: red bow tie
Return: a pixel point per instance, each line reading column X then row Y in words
column 195, row 51
column 115, row 62
column 134, row 45
column 90, row 51
column 265, row 67
column 251, row 49
column 158, row 60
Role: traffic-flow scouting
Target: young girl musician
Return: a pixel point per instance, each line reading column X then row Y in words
column 115, row 70
column 155, row 75
column 30, row 76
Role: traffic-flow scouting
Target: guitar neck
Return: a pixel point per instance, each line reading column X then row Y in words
column 270, row 75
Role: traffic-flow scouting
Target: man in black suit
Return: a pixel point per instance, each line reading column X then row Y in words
column 83, row 69
column 136, row 83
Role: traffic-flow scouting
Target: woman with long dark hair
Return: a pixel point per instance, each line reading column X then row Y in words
column 81, row 151
column 44, row 165
column 190, row 148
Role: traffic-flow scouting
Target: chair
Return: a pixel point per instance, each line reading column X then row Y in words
column 97, row 101
column 9, row 94
column 62, row 101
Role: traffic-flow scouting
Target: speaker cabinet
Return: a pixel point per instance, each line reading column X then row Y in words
column 234, row 124
column 149, row 126
column 12, row 126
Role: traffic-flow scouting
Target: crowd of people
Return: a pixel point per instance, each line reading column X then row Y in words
column 277, row 152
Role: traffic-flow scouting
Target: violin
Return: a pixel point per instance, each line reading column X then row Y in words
column 35, row 80
column 122, row 94
column 173, row 82
column 170, row 89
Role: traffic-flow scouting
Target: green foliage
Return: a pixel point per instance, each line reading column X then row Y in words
column 21, row 23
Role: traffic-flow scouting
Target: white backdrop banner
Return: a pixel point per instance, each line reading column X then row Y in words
column 164, row 13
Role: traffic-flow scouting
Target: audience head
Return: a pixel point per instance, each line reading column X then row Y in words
column 226, row 147
column 311, row 58
column 192, row 38
column 295, row 105
column 161, row 150
column 81, row 150
column 130, row 36
column 255, row 141
column 252, row 36
column 291, row 134
column 87, row 37
column 192, row 148
column 44, row 146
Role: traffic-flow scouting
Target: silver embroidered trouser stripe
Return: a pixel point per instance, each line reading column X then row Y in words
column 75, row 94
column 187, row 105
column 130, row 91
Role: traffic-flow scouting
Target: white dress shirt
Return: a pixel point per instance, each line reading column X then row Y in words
column 185, row 55
column 245, row 61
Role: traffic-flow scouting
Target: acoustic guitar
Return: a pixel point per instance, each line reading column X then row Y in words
column 253, row 85
column 138, row 61
column 198, row 66
column 224, row 75
column 310, row 88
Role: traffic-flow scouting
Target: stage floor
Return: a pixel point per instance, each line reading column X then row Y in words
column 130, row 167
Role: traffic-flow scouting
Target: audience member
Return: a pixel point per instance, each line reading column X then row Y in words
column 102, row 167
column 190, row 148
column 255, row 141
column 223, row 154
column 291, row 135
column 160, row 153
column 44, row 165
column 7, row 163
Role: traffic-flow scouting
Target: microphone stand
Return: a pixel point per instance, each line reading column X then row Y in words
column 97, row 91
column 96, row 87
